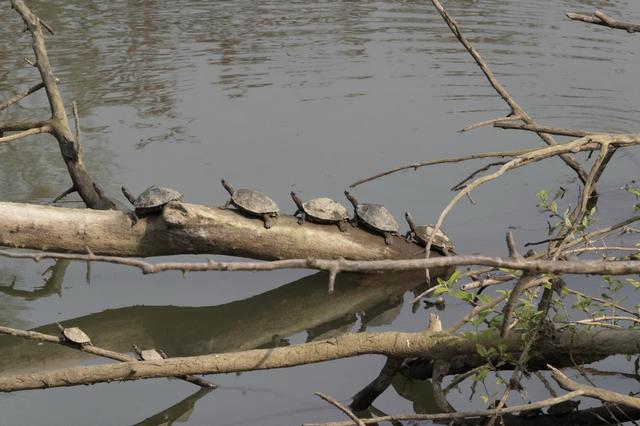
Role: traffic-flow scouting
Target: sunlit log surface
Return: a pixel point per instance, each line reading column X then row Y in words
column 185, row 228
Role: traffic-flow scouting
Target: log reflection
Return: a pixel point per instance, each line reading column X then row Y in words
column 259, row 321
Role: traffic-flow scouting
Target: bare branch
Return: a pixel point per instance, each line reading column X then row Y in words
column 90, row 349
column 462, row 414
column 17, row 126
column 603, row 395
column 501, row 90
column 415, row 166
column 25, row 133
column 341, row 407
column 599, row 18
column 595, row 267
column 21, row 96
column 488, row 122
column 545, row 129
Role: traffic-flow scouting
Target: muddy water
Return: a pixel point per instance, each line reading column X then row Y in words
column 287, row 95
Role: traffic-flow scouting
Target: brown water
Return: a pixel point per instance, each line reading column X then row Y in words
column 278, row 95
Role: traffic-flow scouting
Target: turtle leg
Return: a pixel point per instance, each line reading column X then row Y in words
column 354, row 221
column 341, row 226
column 267, row 220
column 227, row 204
column 407, row 236
column 387, row 238
column 302, row 218
column 133, row 216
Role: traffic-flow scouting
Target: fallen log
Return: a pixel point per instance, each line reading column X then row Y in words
column 184, row 228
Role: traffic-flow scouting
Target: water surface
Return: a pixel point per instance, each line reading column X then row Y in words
column 304, row 95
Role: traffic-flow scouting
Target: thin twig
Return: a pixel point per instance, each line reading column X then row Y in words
column 341, row 407
column 462, row 414
column 21, row 96
column 415, row 166
column 488, row 122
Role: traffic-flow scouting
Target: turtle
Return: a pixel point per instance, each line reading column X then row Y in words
column 252, row 202
column 321, row 210
column 421, row 234
column 74, row 335
column 375, row 217
column 152, row 200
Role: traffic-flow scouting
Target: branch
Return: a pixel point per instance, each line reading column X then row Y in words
column 390, row 344
column 462, row 414
column 516, row 109
column 415, row 166
column 25, row 133
column 599, row 18
column 545, row 129
column 21, row 95
column 60, row 125
column 90, row 349
column 17, row 126
column 603, row 395
column 341, row 407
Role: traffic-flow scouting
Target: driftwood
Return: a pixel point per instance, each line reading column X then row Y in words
column 600, row 18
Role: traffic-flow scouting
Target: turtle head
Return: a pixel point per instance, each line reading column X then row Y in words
column 410, row 221
column 128, row 195
column 296, row 199
column 351, row 198
column 228, row 187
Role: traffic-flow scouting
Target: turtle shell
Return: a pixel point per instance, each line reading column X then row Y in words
column 254, row 202
column 325, row 209
column 377, row 217
column 75, row 335
column 150, row 355
column 155, row 197
column 424, row 232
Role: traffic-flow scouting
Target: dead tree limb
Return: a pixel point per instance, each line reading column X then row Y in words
column 90, row 349
column 58, row 124
column 20, row 96
column 602, row 394
column 516, row 109
column 341, row 407
column 600, row 18
column 390, row 344
column 461, row 414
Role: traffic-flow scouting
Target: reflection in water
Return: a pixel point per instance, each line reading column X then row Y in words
column 177, row 413
column 260, row 321
column 53, row 284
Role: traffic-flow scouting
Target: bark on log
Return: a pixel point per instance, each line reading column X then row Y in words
column 405, row 345
column 185, row 228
